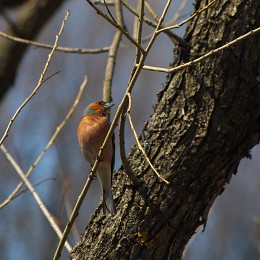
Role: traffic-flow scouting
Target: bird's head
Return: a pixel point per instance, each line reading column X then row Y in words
column 99, row 108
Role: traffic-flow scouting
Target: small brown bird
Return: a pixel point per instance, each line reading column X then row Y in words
column 92, row 131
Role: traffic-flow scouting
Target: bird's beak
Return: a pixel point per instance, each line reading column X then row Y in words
column 108, row 105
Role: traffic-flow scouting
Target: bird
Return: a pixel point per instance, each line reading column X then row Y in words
column 92, row 131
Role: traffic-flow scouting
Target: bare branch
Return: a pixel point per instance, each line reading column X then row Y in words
column 158, row 26
column 38, row 200
column 128, row 36
column 102, row 2
column 109, row 11
column 151, row 11
column 185, row 65
column 136, row 182
column 35, row 185
column 178, row 13
column 50, row 143
column 138, row 142
column 139, row 30
column 173, row 37
column 76, row 210
column 67, row 202
column 40, row 80
column 111, row 60
column 48, row 46
column 188, row 19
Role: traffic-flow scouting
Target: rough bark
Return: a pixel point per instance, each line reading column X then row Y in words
column 205, row 122
column 30, row 19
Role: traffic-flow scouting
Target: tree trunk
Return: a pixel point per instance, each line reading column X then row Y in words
column 205, row 122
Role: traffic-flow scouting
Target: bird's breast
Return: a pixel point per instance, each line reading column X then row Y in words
column 91, row 135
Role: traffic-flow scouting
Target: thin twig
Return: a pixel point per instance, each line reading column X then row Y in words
column 185, row 65
column 139, row 30
column 134, row 12
column 134, row 76
column 67, row 202
column 135, row 24
column 173, row 37
column 35, row 185
column 109, row 11
column 178, row 13
column 48, row 46
column 160, row 22
column 40, row 80
column 54, row 136
column 151, row 11
column 52, row 75
column 128, row 36
column 188, row 19
column 102, row 2
column 111, row 60
column 38, row 200
column 136, row 182
column 138, row 142
column 75, row 211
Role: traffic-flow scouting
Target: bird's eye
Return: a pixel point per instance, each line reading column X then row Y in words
column 101, row 102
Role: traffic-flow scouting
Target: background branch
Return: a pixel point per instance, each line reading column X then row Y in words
column 27, row 24
column 215, row 51
column 40, row 82
column 111, row 60
column 41, row 205
column 129, row 37
column 48, row 46
column 50, row 143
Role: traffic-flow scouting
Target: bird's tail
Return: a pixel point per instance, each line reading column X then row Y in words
column 108, row 203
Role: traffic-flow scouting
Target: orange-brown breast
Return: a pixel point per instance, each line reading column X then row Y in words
column 92, row 131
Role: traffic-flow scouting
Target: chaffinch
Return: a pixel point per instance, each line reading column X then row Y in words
column 92, row 131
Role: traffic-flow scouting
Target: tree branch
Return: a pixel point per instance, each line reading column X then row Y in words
column 29, row 20
column 48, row 46
column 138, row 142
column 50, row 143
column 40, row 82
column 215, row 51
column 38, row 200
column 116, row 26
column 111, row 60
